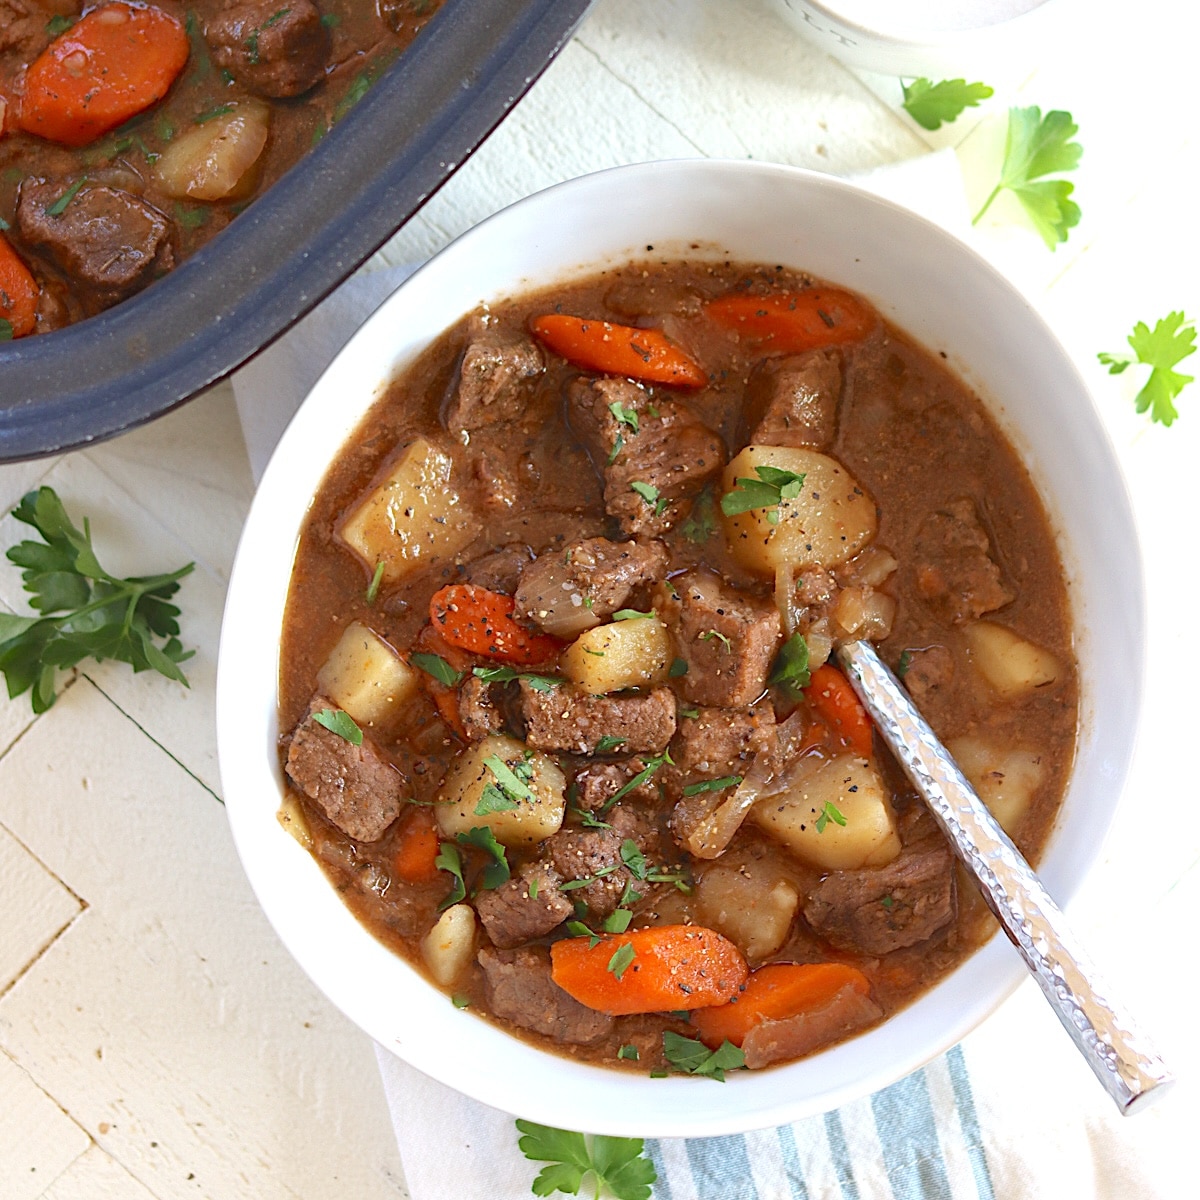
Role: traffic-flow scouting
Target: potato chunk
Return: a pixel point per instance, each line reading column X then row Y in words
column 751, row 906
column 623, row 654
column 217, row 160
column 365, row 677
column 831, row 519
column 449, row 946
column 1007, row 661
column 1004, row 779
column 462, row 804
column 414, row 517
column 852, row 787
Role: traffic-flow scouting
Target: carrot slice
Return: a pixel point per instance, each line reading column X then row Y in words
column 645, row 354
column 667, row 967
column 108, row 67
column 831, row 695
column 414, row 860
column 774, row 993
column 794, row 321
column 18, row 293
column 481, row 621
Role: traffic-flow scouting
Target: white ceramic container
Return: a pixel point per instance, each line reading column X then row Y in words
column 920, row 278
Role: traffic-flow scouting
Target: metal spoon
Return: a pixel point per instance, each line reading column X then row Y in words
column 1123, row 1060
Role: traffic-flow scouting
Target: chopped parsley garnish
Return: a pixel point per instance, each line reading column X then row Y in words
column 212, row 114
column 710, row 634
column 678, row 667
column 618, row 920
column 629, row 1052
column 539, row 683
column 701, row 523
column 933, row 105
column 689, row 712
column 888, row 902
column 190, row 218
column 773, row 486
column 373, row 586
column 82, row 610
column 533, row 888
column 614, row 1163
column 830, row 812
column 482, row 838
column 1038, row 146
column 59, row 24
column 650, row 494
column 275, row 18
column 609, row 743
column 331, row 20
column 791, row 671
column 460, row 1001
column 652, row 765
column 693, row 1057
column 624, row 416
column 905, row 662
column 622, row 957
column 712, row 785
column 593, row 653
column 340, row 723
column 6, row 330
column 437, row 667
column 1162, row 348
column 493, row 800
column 579, row 929
column 353, row 94
column 60, row 205
column 632, row 614
column 510, row 780
column 633, row 858
column 616, row 449
column 449, row 859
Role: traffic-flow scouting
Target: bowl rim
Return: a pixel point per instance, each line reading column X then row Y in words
column 247, row 734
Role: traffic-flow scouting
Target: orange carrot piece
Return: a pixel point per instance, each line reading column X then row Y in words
column 831, row 695
column 18, row 292
column 414, row 860
column 796, row 321
column 446, row 701
column 645, row 354
column 475, row 619
column 109, row 66
column 673, row 967
column 773, row 993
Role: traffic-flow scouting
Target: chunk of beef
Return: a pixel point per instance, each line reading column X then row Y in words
column 719, row 741
column 928, row 671
column 354, row 786
column 727, row 639
column 569, row 590
column 598, row 783
column 107, row 240
column 877, row 911
column 520, row 990
column 527, row 906
column 480, row 708
column 792, row 1037
column 272, row 49
column 955, row 573
column 487, row 388
column 670, row 454
column 595, row 855
column 566, row 718
column 793, row 401
column 497, row 487
column 23, row 28
column 500, row 570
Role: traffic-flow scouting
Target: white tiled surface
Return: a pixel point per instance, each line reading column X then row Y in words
column 155, row 1040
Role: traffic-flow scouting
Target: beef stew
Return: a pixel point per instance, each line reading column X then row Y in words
column 560, row 726
column 130, row 134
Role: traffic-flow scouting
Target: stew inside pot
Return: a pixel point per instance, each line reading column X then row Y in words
column 560, row 724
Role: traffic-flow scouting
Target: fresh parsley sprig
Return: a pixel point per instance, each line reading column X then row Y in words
column 1162, row 348
column 618, row 1164
column 1036, row 147
column 85, row 611
column 791, row 670
column 933, row 105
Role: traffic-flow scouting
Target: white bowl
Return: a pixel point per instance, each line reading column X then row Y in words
column 920, row 278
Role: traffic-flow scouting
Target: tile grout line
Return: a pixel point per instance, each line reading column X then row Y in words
column 150, row 737
column 84, row 906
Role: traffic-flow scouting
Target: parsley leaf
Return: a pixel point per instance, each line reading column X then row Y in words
column 449, row 859
column 539, row 683
column 830, row 812
column 507, row 778
column 376, row 580
column 712, row 785
column 99, row 615
column 436, row 666
column 6, row 330
column 482, row 838
column 693, row 1057
column 341, row 723
column 712, row 634
column 1038, row 146
column 616, row 1163
column 791, row 671
column 701, row 523
column 624, row 416
column 652, row 765
column 618, row 920
column 60, row 205
column 628, row 1051
column 678, row 667
column 632, row 614
column 650, row 494
column 633, row 858
column 609, row 743
column 1162, row 348
column 493, row 800
column 622, row 957
column 932, row 105
column 773, row 486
